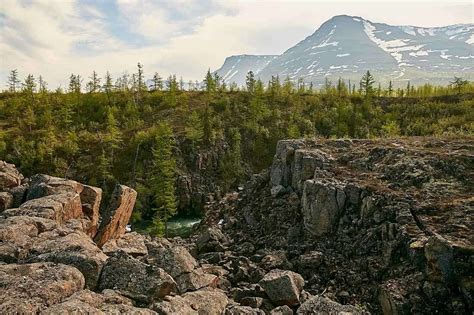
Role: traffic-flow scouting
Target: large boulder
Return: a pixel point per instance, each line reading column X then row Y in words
column 174, row 260
column 70, row 248
column 194, row 280
column 318, row 305
column 29, row 288
column 9, row 176
column 322, row 204
column 135, row 279
column 17, row 235
column 283, row 287
column 242, row 310
column 88, row 302
column 45, row 185
column 60, row 207
column 202, row 302
column 117, row 214
column 131, row 243
column 211, row 240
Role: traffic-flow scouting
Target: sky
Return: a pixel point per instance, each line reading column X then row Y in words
column 55, row 38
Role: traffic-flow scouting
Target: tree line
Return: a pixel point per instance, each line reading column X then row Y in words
column 148, row 133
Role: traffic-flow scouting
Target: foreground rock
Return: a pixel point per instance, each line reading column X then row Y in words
column 210, row 301
column 88, row 302
column 135, row 279
column 320, row 305
column 29, row 288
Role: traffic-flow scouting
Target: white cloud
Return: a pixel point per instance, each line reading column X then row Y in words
column 186, row 37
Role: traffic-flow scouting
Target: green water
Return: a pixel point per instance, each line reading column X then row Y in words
column 182, row 227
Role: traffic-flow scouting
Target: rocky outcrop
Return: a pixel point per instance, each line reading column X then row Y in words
column 380, row 223
column 117, row 214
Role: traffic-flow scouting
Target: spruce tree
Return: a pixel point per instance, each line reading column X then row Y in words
column 163, row 178
column 367, row 83
column 13, row 81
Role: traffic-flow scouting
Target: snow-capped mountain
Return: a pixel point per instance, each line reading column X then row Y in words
column 347, row 46
column 235, row 68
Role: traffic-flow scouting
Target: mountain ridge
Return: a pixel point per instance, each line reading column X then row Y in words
column 347, row 46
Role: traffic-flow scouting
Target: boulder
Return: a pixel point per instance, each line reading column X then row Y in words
column 283, row 287
column 117, row 214
column 135, row 279
column 70, row 248
column 60, row 207
column 29, row 288
column 202, row 302
column 9, row 176
column 211, row 240
column 174, row 260
column 310, row 260
column 252, row 301
column 282, row 310
column 242, row 310
column 88, row 302
column 45, row 185
column 439, row 259
column 322, row 205
column 172, row 305
column 194, row 280
column 6, row 201
column 131, row 243
column 318, row 305
column 17, row 234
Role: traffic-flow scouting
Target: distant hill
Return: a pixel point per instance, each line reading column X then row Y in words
column 347, row 46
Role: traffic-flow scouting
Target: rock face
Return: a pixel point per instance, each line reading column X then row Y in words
column 117, row 214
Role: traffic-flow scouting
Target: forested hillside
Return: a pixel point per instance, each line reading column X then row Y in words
column 103, row 131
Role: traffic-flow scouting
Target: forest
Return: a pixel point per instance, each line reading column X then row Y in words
column 147, row 133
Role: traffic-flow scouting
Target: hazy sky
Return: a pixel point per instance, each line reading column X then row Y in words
column 59, row 37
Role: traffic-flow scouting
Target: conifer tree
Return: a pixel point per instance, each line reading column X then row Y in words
column 194, row 129
column 42, row 85
column 157, row 82
column 367, row 83
column 13, row 81
column 250, row 82
column 163, row 178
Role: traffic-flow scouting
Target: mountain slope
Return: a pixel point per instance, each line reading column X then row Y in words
column 235, row 68
column 347, row 46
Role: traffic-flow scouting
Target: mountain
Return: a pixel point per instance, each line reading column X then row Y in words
column 347, row 46
column 235, row 68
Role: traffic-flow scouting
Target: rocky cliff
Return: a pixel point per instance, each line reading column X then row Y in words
column 335, row 227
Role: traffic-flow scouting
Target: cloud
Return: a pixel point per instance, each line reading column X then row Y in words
column 56, row 38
